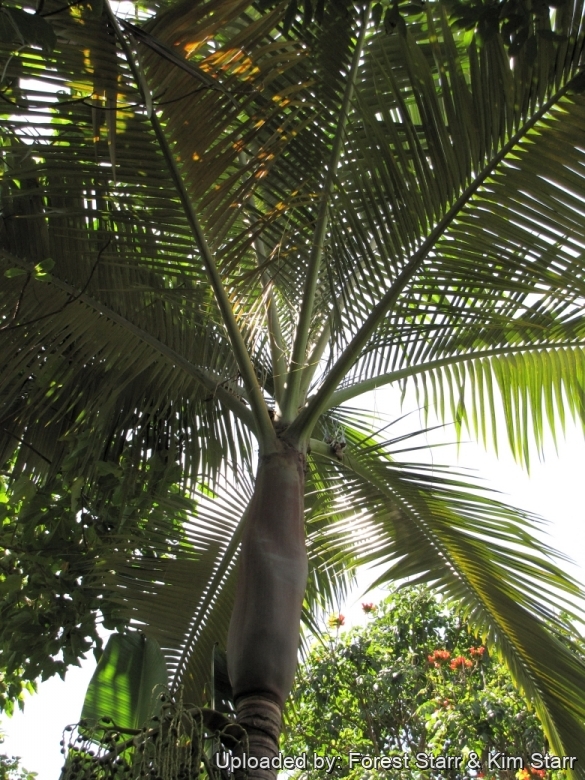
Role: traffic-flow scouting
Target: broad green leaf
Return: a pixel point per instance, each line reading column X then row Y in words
column 129, row 676
column 223, row 695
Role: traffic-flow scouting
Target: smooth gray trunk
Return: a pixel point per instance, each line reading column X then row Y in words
column 263, row 639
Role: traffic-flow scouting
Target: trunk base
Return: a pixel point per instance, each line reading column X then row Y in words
column 262, row 720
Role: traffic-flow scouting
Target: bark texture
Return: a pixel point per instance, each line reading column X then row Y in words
column 263, row 637
column 262, row 719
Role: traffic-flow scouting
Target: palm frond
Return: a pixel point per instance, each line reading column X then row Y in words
column 185, row 603
column 428, row 526
column 534, row 386
column 507, row 285
column 427, row 255
column 124, row 327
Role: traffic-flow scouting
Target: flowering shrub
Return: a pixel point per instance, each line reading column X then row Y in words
column 477, row 651
column 412, row 675
column 530, row 774
column 336, row 621
column 460, row 662
column 437, row 657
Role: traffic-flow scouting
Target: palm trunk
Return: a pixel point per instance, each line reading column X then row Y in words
column 263, row 637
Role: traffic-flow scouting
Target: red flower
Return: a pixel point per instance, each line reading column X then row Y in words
column 460, row 661
column 479, row 651
column 336, row 621
column 369, row 607
column 438, row 656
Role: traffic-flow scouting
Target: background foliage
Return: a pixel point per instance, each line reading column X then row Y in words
column 60, row 541
column 10, row 767
column 413, row 679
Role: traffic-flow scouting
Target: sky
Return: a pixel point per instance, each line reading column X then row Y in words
column 553, row 490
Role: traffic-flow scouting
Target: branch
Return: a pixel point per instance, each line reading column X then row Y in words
column 214, row 384
column 263, row 424
column 308, row 371
column 277, row 344
column 292, row 397
column 305, row 422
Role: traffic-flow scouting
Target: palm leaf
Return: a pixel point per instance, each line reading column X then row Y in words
column 429, row 263
column 126, row 313
column 184, row 601
column 431, row 527
column 129, row 678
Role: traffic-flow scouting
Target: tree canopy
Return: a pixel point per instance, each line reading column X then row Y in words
column 220, row 229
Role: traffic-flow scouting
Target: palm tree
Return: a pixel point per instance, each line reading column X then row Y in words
column 217, row 233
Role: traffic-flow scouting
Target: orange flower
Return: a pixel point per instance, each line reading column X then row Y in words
column 336, row 621
column 477, row 651
column 460, row 661
column 438, row 656
column 530, row 774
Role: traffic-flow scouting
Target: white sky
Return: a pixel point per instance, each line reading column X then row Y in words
column 554, row 490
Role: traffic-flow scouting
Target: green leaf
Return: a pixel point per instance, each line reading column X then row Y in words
column 30, row 28
column 223, row 695
column 126, row 682
column 11, row 584
column 42, row 270
column 10, row 273
column 104, row 469
column 76, row 489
